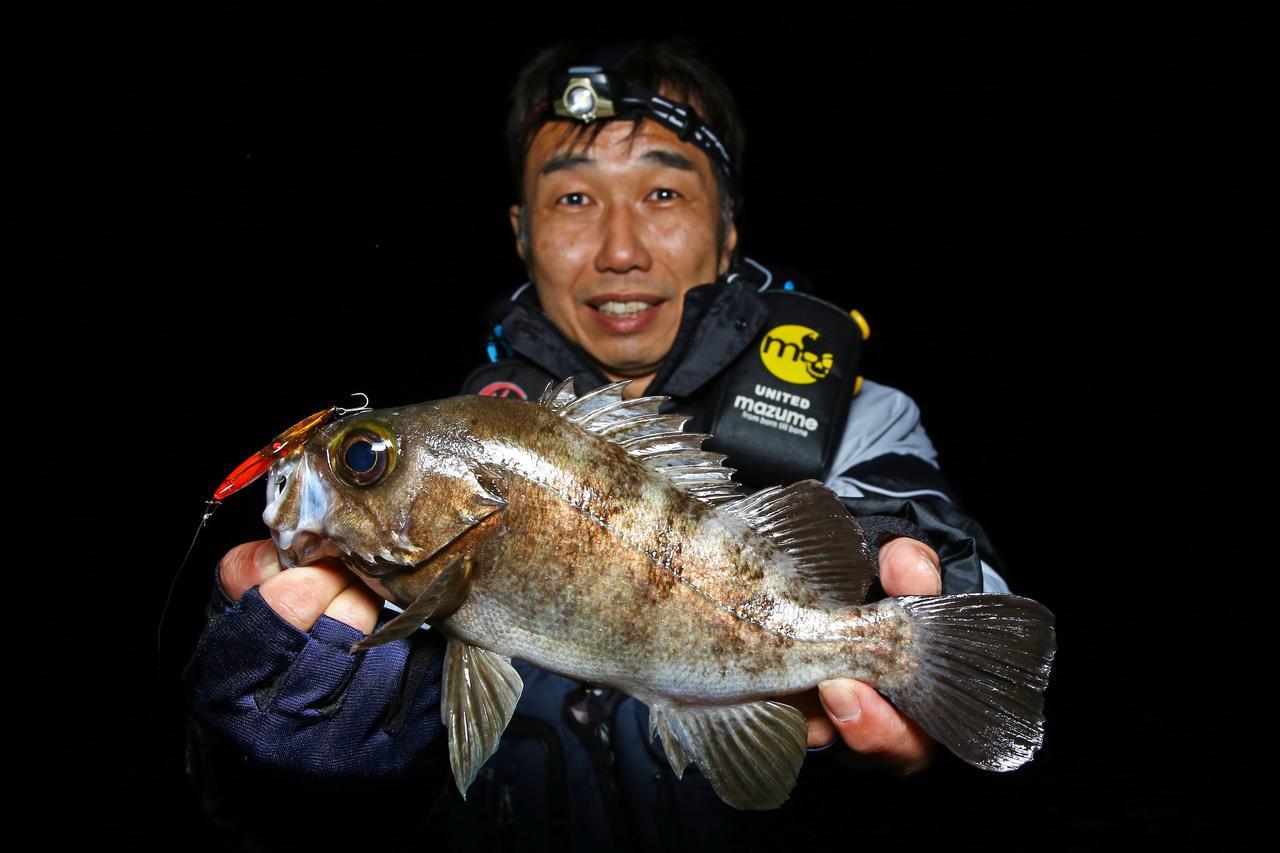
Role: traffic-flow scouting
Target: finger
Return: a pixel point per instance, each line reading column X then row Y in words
column 357, row 606
column 301, row 594
column 909, row 567
column 821, row 730
column 248, row 565
column 871, row 726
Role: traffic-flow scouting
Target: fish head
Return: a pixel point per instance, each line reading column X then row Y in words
column 381, row 490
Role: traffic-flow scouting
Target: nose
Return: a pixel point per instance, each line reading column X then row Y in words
column 623, row 247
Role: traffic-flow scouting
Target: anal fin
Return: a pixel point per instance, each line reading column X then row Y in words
column 751, row 753
column 480, row 690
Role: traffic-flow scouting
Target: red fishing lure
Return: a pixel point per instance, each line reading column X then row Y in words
column 256, row 465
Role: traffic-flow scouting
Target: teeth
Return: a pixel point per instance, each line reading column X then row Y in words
column 623, row 309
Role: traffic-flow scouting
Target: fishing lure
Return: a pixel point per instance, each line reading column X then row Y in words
column 295, row 436
column 250, row 470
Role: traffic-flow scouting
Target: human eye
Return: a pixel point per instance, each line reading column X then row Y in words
column 573, row 199
column 665, row 194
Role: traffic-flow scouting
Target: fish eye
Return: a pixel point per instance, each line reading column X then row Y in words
column 363, row 455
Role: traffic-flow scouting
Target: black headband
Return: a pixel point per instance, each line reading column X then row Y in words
column 591, row 92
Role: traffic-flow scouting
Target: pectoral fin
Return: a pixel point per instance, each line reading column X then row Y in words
column 480, row 691
column 439, row 597
column 750, row 753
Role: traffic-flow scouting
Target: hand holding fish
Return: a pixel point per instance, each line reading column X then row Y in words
column 852, row 710
column 273, row 678
column 299, row 597
column 875, row 729
column 870, row 726
column 594, row 538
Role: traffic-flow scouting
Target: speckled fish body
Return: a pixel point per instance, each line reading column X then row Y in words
column 594, row 538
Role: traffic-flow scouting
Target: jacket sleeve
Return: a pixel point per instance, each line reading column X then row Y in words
column 296, row 700
column 886, row 465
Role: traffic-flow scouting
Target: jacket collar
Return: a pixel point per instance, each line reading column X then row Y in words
column 719, row 320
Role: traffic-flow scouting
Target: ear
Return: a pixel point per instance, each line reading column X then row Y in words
column 730, row 243
column 514, row 213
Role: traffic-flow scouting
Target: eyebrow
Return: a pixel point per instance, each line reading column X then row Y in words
column 660, row 156
column 565, row 161
column 670, row 159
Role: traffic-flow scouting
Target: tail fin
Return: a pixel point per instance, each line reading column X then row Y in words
column 982, row 667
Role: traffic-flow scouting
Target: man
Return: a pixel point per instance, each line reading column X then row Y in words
column 627, row 232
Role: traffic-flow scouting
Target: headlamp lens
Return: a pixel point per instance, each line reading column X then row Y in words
column 581, row 101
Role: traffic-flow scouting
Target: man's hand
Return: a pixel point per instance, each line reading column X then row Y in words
column 854, row 711
column 278, row 682
column 301, row 594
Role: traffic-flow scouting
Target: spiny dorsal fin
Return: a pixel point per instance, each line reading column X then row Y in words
column 657, row 440
column 556, row 394
column 809, row 522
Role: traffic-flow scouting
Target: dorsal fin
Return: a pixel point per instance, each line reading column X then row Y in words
column 808, row 521
column 657, row 440
column 556, row 394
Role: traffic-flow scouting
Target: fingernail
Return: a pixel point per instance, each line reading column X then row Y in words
column 929, row 566
column 840, row 701
column 266, row 559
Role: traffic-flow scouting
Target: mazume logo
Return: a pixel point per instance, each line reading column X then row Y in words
column 790, row 353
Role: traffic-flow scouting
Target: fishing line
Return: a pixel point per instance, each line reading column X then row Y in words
column 208, row 514
column 248, row 472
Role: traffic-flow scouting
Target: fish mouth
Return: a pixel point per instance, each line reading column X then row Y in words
column 378, row 567
column 304, row 548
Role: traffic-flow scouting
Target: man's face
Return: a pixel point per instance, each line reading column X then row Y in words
column 618, row 233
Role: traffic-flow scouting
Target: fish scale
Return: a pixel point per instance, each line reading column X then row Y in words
column 561, row 612
column 591, row 536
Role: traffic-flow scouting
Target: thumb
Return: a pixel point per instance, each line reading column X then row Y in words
column 870, row 725
column 909, row 567
column 246, row 566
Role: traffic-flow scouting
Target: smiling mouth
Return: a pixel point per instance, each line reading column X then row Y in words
column 624, row 313
column 623, row 309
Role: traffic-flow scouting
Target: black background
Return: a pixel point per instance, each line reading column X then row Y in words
column 241, row 214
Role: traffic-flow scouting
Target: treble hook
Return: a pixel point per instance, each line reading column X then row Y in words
column 340, row 411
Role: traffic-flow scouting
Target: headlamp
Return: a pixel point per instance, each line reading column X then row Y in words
column 591, row 92
column 585, row 96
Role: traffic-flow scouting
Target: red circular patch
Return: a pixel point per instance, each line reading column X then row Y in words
column 503, row 389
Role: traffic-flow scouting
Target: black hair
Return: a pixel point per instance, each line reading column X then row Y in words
column 673, row 67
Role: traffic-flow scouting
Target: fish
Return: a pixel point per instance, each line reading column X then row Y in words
column 592, row 536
